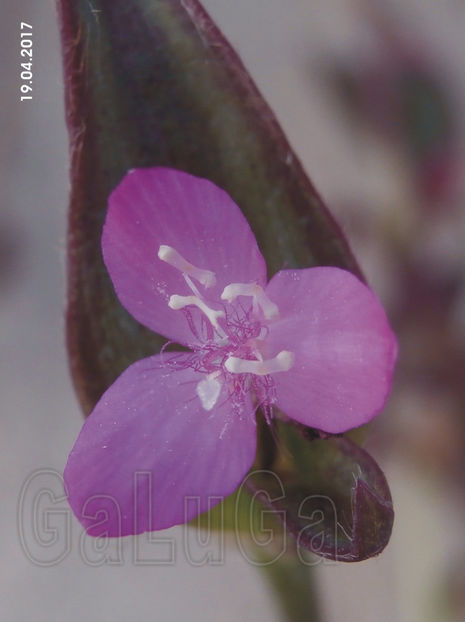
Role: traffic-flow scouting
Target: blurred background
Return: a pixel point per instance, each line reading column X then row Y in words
column 371, row 95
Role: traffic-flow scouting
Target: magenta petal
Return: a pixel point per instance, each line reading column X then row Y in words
column 344, row 348
column 149, row 456
column 160, row 206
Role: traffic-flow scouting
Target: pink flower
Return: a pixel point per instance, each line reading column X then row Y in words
column 184, row 262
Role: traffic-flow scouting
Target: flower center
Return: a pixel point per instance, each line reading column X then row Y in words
column 231, row 338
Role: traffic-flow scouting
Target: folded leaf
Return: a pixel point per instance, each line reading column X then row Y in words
column 153, row 82
column 329, row 492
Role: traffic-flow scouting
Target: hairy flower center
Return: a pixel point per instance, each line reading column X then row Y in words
column 231, row 337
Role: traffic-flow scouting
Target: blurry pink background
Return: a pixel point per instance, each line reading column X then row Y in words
column 332, row 70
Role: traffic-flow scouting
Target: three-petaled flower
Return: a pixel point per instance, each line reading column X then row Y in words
column 314, row 343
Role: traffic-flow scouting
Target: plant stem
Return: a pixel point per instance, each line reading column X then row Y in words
column 293, row 585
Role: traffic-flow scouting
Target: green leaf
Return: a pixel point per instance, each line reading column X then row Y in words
column 153, row 82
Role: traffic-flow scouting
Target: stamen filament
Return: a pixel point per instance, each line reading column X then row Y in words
column 282, row 362
column 173, row 258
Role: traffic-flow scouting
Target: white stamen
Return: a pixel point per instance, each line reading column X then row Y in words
column 209, row 391
column 282, row 362
column 173, row 258
column 269, row 308
column 179, row 302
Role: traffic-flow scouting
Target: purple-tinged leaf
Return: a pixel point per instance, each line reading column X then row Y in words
column 153, row 82
column 333, row 496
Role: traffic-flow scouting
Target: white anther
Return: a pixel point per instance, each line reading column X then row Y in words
column 232, row 291
column 179, row 302
column 282, row 362
column 269, row 308
column 173, row 258
column 209, row 390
